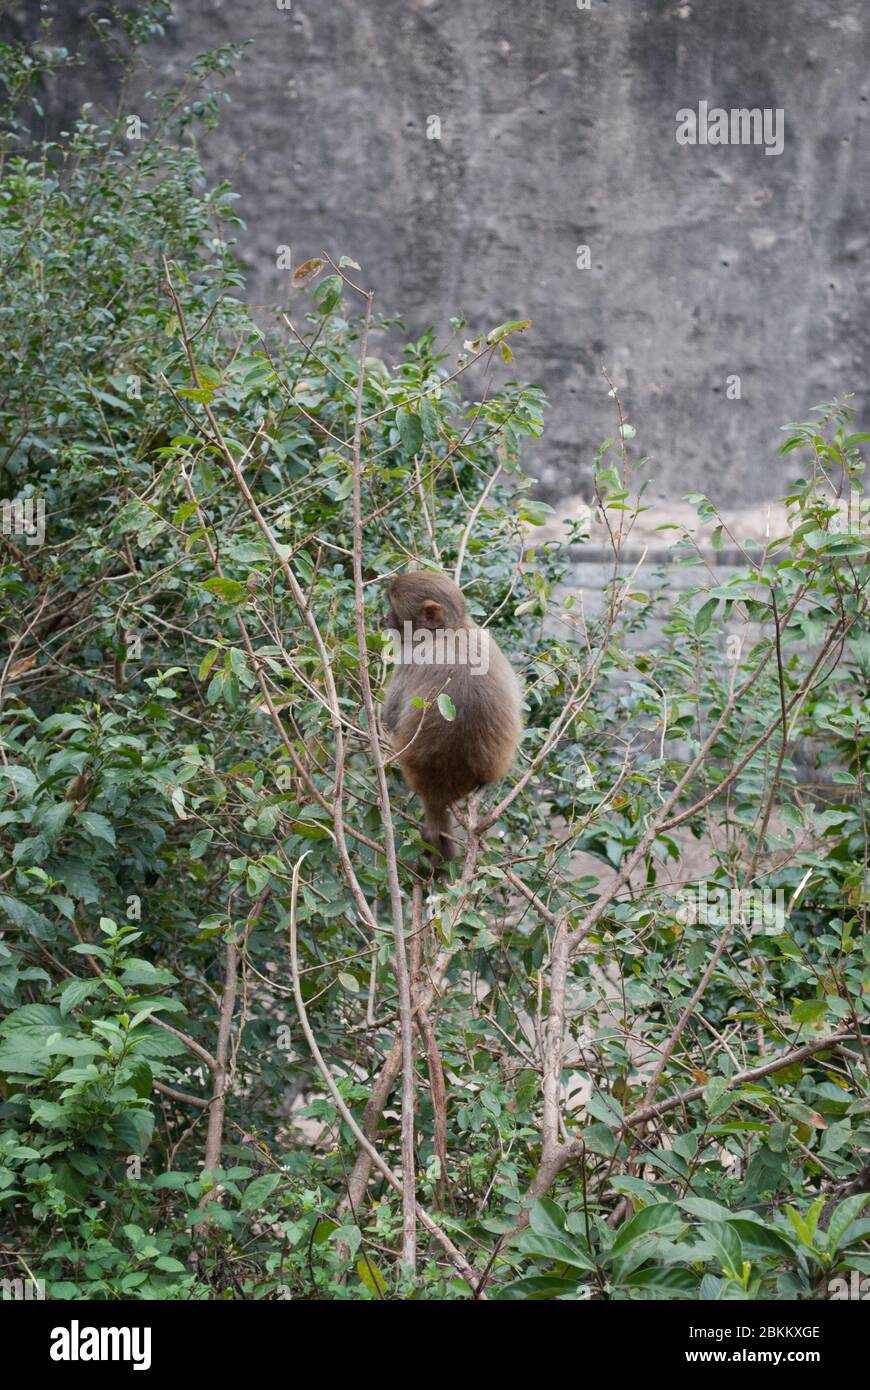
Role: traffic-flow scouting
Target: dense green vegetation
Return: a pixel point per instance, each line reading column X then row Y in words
column 641, row 1100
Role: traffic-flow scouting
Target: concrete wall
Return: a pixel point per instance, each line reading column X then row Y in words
column 557, row 130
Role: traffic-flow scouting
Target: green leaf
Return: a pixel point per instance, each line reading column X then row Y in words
column 51, row 818
column 97, row 825
column 705, row 1209
column 637, row 1239
column 844, row 1214
column 429, row 420
column 446, row 707
column 133, row 516
column 809, row 1010
column 61, row 723
column 259, row 1190
column 805, row 1226
column 410, row 430
column 759, row 1240
column 660, row 1282
column 660, row 1218
column 550, row 1247
column 182, row 512
column 141, row 1078
column 26, row 917
column 328, row 293
column 22, row 777
column 725, row 1241
column 230, row 590
column 535, row 1288
column 547, row 1217
column 310, row 830
column 704, row 615
column 203, row 395
column 142, row 972
column 76, row 878
column 200, row 843
column 75, row 992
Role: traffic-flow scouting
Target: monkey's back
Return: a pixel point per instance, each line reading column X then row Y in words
column 452, row 757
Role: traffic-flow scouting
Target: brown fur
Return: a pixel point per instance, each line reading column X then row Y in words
column 443, row 760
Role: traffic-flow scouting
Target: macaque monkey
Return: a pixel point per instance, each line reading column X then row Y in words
column 443, row 653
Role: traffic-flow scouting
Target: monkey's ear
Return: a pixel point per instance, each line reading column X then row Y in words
column 431, row 613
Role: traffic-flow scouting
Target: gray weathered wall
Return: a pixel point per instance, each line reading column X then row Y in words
column 558, row 128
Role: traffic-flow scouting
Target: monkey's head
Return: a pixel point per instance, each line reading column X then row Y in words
column 426, row 600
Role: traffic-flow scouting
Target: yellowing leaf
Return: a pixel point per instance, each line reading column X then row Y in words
column 306, row 272
column 371, row 1276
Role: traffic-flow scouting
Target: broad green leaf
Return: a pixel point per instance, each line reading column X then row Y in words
column 328, row 293
column 844, row 1214
column 257, row 1192
column 410, row 430
column 550, row 1247
column 547, row 1217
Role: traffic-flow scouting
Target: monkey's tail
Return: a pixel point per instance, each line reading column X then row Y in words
column 436, row 832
